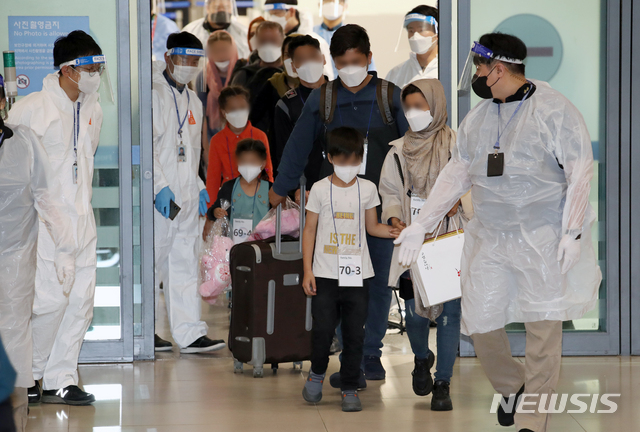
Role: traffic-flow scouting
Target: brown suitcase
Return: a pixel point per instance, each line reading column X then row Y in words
column 271, row 315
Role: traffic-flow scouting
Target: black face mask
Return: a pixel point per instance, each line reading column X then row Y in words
column 480, row 87
column 222, row 20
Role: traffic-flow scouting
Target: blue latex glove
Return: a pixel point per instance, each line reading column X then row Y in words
column 163, row 201
column 204, row 200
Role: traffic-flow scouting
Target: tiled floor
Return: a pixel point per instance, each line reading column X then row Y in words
column 191, row 393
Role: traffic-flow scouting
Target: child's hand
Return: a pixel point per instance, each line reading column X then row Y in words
column 309, row 284
column 207, row 229
column 398, row 224
column 219, row 213
column 394, row 232
column 454, row 210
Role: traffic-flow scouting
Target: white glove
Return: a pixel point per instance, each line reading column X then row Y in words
column 569, row 249
column 410, row 240
column 66, row 271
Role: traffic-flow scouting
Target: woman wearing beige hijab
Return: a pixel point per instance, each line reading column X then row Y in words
column 409, row 172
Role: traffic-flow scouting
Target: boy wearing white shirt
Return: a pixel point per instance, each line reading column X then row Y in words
column 337, row 263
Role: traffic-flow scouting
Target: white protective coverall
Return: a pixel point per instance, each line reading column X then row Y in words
column 238, row 31
column 410, row 70
column 177, row 242
column 510, row 270
column 60, row 322
column 26, row 185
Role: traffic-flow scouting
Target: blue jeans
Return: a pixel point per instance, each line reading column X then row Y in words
column 448, row 336
column 381, row 252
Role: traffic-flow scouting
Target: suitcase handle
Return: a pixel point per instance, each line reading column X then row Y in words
column 303, row 198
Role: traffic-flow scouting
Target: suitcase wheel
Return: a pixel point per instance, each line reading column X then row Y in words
column 297, row 365
column 238, row 367
column 258, row 372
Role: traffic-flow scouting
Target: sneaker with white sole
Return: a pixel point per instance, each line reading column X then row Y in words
column 161, row 345
column 34, row 393
column 203, row 344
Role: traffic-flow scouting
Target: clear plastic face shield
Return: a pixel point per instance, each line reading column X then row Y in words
column 422, row 31
column 479, row 54
column 220, row 13
column 277, row 12
column 92, row 76
column 332, row 10
column 188, row 65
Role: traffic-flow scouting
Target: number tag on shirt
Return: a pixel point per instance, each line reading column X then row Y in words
column 350, row 268
column 416, row 205
column 241, row 230
column 363, row 167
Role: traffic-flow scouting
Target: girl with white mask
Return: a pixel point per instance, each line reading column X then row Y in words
column 410, row 170
column 248, row 194
column 223, row 165
column 421, row 24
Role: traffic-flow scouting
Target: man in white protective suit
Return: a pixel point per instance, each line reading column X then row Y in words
column 220, row 15
column 528, row 257
column 67, row 118
column 26, row 182
column 177, row 141
column 421, row 24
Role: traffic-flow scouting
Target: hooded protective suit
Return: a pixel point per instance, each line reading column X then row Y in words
column 26, row 183
column 59, row 321
column 236, row 29
column 410, row 70
column 510, row 268
column 177, row 242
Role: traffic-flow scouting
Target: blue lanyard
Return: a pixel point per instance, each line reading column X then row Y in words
column 180, row 123
column 366, row 138
column 333, row 216
column 76, row 131
column 496, row 146
column 233, row 193
column 1, row 139
column 301, row 98
column 229, row 152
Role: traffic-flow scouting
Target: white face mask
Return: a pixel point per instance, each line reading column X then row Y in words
column 311, row 71
column 332, row 11
column 269, row 53
column 253, row 42
column 223, row 66
column 282, row 20
column 88, row 84
column 238, row 119
column 352, row 76
column 418, row 120
column 346, row 173
column 421, row 44
column 289, row 68
column 249, row 172
column 184, row 74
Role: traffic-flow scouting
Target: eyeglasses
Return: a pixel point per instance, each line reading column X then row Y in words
column 91, row 70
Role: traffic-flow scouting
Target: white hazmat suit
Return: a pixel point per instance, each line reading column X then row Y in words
column 238, row 31
column 510, row 268
column 60, row 322
column 177, row 242
column 26, row 183
column 410, row 70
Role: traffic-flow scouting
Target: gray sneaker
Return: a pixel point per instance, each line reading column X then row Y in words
column 351, row 401
column 312, row 391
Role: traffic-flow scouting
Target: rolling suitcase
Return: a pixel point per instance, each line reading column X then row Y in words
column 271, row 315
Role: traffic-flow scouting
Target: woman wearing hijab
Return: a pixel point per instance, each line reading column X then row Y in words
column 409, row 172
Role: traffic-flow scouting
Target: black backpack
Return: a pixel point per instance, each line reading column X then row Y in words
column 384, row 96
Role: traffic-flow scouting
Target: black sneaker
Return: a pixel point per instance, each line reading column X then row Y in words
column 507, row 418
column 203, row 344
column 70, row 395
column 161, row 344
column 335, row 382
column 441, row 401
column 422, row 381
column 373, row 369
column 35, row 393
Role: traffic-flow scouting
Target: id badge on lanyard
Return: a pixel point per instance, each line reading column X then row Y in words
column 182, row 150
column 242, row 229
column 363, row 167
column 350, row 267
column 416, row 205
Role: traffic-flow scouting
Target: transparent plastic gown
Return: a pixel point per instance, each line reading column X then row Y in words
column 510, row 268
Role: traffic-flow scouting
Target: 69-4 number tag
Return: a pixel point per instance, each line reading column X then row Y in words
column 241, row 230
column 350, row 270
